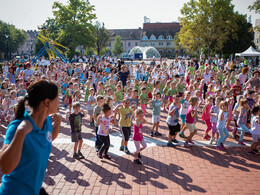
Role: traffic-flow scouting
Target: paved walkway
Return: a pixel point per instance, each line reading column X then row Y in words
column 179, row 170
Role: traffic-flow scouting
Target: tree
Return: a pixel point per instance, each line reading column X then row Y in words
column 244, row 37
column 10, row 38
column 118, row 46
column 102, row 37
column 206, row 24
column 255, row 7
column 75, row 22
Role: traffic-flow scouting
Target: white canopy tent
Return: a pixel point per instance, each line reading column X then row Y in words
column 249, row 52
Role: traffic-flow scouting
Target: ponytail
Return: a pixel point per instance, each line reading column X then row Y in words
column 20, row 107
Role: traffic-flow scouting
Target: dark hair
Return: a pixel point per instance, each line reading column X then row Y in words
column 255, row 109
column 106, row 107
column 37, row 93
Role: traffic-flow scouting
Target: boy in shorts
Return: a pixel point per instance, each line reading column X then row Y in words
column 75, row 123
column 173, row 121
column 156, row 107
column 126, row 115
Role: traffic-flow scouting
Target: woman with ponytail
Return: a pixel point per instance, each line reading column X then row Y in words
column 28, row 142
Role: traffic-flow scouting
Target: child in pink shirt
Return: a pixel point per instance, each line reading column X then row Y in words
column 138, row 135
column 206, row 116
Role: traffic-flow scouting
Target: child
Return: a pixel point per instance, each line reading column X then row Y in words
column 165, row 91
column 103, row 123
column 138, row 135
column 206, row 116
column 230, row 101
column 255, row 130
column 97, row 111
column 221, row 125
column 87, row 92
column 75, row 123
column 190, row 120
column 126, row 115
column 143, row 99
column 214, row 111
column 91, row 106
column 156, row 107
column 242, row 119
column 68, row 96
column 173, row 121
column 183, row 112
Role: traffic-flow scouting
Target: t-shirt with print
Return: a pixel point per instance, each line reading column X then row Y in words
column 125, row 117
column 76, row 122
column 242, row 117
column 103, row 128
column 174, row 119
column 92, row 99
column 119, row 97
column 156, row 105
column 184, row 107
column 214, row 110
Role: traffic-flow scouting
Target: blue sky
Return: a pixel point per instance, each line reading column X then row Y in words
column 116, row 14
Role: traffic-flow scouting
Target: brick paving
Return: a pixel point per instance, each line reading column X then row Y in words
column 201, row 169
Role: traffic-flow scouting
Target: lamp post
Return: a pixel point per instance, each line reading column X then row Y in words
column 7, row 46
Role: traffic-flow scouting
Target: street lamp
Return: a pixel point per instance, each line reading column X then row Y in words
column 7, row 46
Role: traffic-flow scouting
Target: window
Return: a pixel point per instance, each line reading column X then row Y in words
column 136, row 44
column 129, row 44
column 169, row 43
column 152, row 44
column 161, row 37
column 144, row 38
column 152, row 37
column 169, row 37
column 144, row 44
column 160, row 43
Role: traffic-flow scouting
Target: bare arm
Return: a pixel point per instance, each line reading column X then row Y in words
column 11, row 153
column 56, row 121
column 172, row 112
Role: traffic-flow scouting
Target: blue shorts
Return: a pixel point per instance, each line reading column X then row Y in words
column 183, row 116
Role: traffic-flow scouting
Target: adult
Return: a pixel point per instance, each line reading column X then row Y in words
column 243, row 75
column 123, row 75
column 11, row 75
column 28, row 72
column 206, row 77
column 254, row 81
column 27, row 146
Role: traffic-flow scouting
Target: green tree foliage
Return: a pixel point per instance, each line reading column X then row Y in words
column 16, row 37
column 102, row 37
column 206, row 24
column 242, row 40
column 75, row 23
column 118, row 46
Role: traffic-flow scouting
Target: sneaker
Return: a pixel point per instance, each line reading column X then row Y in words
column 241, row 143
column 99, row 155
column 151, row 133
column 220, row 148
column 211, row 141
column 187, row 145
column 207, row 137
column 106, row 156
column 256, row 151
column 137, row 161
column 175, row 141
column 127, row 151
column 251, row 153
column 222, row 145
column 80, row 155
column 170, row 144
column 191, row 142
column 121, row 148
column 182, row 135
column 76, row 156
column 139, row 155
column 157, row 133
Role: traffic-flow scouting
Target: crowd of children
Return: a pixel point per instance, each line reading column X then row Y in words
column 115, row 92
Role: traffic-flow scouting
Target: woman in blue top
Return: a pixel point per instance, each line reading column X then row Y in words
column 28, row 142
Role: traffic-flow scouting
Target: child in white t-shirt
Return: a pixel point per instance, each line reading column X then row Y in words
column 255, row 130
